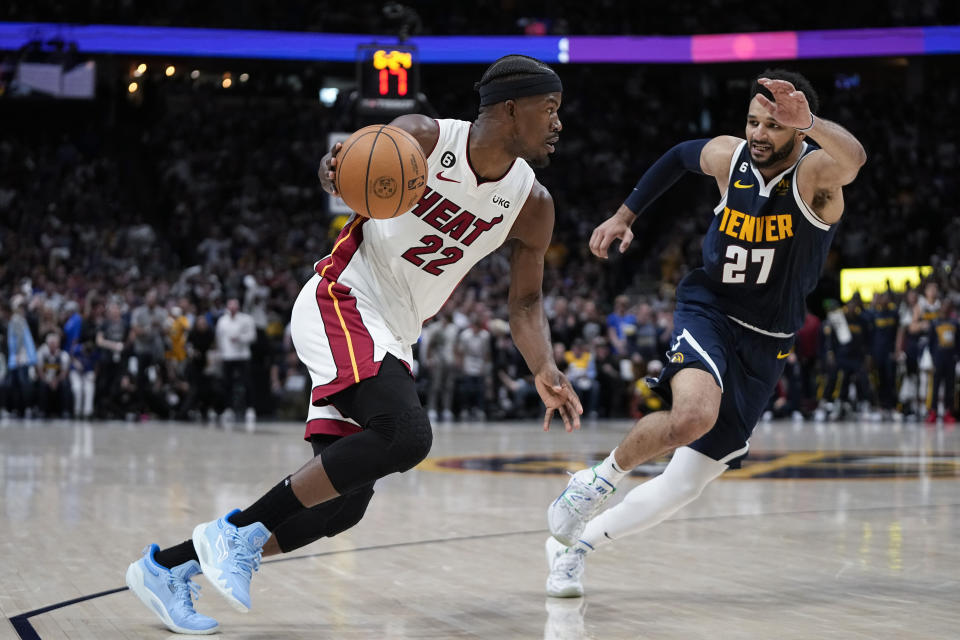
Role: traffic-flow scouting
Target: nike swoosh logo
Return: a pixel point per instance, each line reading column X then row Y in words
column 742, row 186
column 440, row 177
column 781, row 355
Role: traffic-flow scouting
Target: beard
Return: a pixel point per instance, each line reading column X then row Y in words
column 539, row 162
column 776, row 155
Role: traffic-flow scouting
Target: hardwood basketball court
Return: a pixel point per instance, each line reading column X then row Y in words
column 844, row 530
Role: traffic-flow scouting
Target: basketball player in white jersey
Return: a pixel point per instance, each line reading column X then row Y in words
column 355, row 321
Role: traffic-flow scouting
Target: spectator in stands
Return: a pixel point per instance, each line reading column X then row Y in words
column 582, row 372
column 83, row 374
column 515, row 391
column 610, row 387
column 72, row 326
column 883, row 336
column 944, row 332
column 147, row 330
column 21, row 359
column 908, row 353
column 473, row 351
column 438, row 364
column 564, row 324
column 111, row 343
column 621, row 325
column 235, row 333
column 648, row 338
column 204, row 398
column 53, row 397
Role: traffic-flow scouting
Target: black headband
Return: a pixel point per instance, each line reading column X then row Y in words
column 495, row 92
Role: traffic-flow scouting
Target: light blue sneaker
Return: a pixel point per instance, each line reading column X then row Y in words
column 229, row 556
column 169, row 593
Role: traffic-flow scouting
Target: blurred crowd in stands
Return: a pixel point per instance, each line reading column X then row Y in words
column 151, row 253
column 162, row 355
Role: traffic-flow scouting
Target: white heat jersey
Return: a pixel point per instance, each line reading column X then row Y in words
column 406, row 267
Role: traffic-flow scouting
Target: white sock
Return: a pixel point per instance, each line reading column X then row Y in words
column 656, row 499
column 609, row 471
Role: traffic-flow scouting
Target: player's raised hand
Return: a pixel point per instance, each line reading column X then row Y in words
column 327, row 170
column 616, row 227
column 558, row 395
column 790, row 107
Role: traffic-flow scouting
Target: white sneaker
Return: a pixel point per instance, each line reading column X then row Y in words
column 569, row 514
column 566, row 571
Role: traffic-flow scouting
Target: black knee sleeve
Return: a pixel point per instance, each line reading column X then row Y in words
column 389, row 443
column 326, row 519
column 351, row 513
column 409, row 434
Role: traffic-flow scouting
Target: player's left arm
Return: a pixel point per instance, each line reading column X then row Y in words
column 824, row 173
column 531, row 235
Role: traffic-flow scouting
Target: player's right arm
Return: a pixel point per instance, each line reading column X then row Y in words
column 705, row 156
column 424, row 129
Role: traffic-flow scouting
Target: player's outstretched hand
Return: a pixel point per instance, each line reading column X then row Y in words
column 616, row 227
column 327, row 170
column 790, row 107
column 558, row 395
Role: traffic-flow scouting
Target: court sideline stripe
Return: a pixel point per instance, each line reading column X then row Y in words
column 21, row 622
column 26, row 630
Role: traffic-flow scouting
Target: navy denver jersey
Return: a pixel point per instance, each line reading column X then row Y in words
column 763, row 252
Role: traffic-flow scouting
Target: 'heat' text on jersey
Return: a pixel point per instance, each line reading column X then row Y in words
column 742, row 226
column 450, row 219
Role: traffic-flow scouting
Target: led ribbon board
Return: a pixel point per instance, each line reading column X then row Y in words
column 333, row 47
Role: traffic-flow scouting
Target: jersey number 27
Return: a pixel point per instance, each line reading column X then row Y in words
column 735, row 271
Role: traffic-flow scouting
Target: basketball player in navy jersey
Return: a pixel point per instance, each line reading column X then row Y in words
column 781, row 197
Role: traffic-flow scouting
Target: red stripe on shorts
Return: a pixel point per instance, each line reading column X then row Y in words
column 350, row 341
column 330, row 427
column 343, row 249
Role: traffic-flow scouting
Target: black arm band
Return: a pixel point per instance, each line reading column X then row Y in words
column 665, row 172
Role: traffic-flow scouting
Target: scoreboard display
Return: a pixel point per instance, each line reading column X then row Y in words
column 388, row 77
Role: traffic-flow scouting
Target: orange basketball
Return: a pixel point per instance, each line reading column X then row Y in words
column 381, row 171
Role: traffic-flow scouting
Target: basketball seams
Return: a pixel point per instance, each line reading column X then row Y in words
column 396, row 147
column 416, row 143
column 366, row 174
column 412, row 139
column 343, row 155
column 423, row 158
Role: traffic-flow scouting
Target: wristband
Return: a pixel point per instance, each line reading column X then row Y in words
column 805, row 129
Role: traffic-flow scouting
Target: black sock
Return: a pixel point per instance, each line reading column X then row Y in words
column 176, row 555
column 274, row 507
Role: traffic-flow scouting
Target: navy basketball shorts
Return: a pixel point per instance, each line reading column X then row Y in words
column 746, row 365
